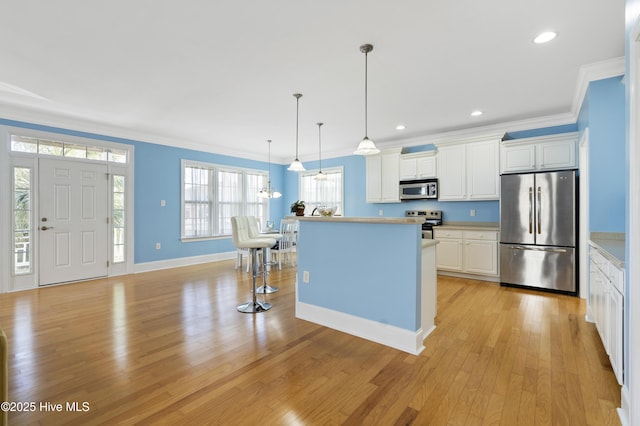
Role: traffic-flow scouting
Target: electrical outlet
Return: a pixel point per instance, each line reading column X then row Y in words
column 472, row 212
column 380, row 212
column 163, row 203
column 305, row 277
column 158, row 246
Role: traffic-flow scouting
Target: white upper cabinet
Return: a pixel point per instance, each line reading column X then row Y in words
column 555, row 152
column 419, row 165
column 469, row 170
column 383, row 177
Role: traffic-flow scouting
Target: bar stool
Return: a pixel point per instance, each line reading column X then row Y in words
column 241, row 239
column 254, row 233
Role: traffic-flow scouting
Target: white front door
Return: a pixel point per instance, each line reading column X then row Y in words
column 72, row 225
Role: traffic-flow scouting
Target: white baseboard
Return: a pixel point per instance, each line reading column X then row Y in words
column 395, row 337
column 182, row 261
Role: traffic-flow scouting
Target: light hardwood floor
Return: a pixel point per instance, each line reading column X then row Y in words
column 169, row 347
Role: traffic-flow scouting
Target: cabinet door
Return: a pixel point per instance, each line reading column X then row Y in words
column 480, row 257
column 449, row 254
column 374, row 178
column 390, row 177
column 614, row 330
column 452, row 178
column 557, row 155
column 408, row 168
column 521, row 158
column 426, row 167
column 483, row 171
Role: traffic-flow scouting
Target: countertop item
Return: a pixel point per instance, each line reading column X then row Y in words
column 611, row 245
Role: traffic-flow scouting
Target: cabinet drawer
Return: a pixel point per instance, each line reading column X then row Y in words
column 446, row 233
column 481, row 235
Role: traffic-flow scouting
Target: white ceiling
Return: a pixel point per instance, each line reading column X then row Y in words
column 219, row 75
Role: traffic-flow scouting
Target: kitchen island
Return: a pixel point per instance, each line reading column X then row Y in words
column 370, row 277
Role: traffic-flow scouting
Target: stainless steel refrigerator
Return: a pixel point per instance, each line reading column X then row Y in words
column 538, row 230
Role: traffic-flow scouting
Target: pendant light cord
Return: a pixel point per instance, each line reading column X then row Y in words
column 320, row 146
column 366, row 101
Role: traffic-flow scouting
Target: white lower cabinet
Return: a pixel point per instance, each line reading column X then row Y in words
column 606, row 303
column 470, row 252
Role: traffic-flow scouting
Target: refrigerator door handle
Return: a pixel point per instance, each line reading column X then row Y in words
column 531, row 210
column 538, row 209
column 547, row 249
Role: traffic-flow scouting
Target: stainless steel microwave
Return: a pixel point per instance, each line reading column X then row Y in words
column 419, row 189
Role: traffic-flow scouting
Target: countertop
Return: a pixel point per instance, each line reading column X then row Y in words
column 611, row 245
column 471, row 226
column 350, row 219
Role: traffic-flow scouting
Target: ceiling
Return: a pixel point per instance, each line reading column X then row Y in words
column 219, row 75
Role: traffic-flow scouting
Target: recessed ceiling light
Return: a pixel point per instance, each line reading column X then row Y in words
column 544, row 37
column 400, row 127
column 476, row 113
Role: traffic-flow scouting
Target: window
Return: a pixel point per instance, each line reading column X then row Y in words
column 213, row 194
column 322, row 193
column 22, row 228
column 35, row 145
column 118, row 214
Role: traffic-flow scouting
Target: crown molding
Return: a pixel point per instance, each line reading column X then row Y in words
column 101, row 130
column 594, row 72
column 587, row 73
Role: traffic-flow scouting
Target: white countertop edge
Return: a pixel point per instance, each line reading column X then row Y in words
column 611, row 248
column 469, row 227
column 350, row 219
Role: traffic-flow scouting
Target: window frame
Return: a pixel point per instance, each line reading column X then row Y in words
column 213, row 169
column 311, row 203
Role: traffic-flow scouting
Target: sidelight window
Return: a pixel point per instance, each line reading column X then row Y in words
column 22, row 220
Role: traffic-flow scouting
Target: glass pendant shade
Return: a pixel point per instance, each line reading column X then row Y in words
column 366, row 147
column 296, row 165
column 320, row 176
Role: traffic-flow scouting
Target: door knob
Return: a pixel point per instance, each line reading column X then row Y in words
column 44, row 228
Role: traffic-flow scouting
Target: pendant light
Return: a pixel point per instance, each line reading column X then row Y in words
column 297, row 166
column 320, row 175
column 267, row 192
column 366, row 146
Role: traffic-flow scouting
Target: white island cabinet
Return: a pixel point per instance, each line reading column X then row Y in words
column 469, row 170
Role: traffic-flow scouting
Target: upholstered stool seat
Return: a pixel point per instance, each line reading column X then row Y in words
column 241, row 239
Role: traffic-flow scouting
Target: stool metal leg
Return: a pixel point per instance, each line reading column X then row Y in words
column 254, row 305
column 265, row 288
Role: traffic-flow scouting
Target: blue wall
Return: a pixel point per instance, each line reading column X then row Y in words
column 603, row 112
column 157, row 177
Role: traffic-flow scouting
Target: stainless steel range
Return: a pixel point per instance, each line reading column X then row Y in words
column 432, row 218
